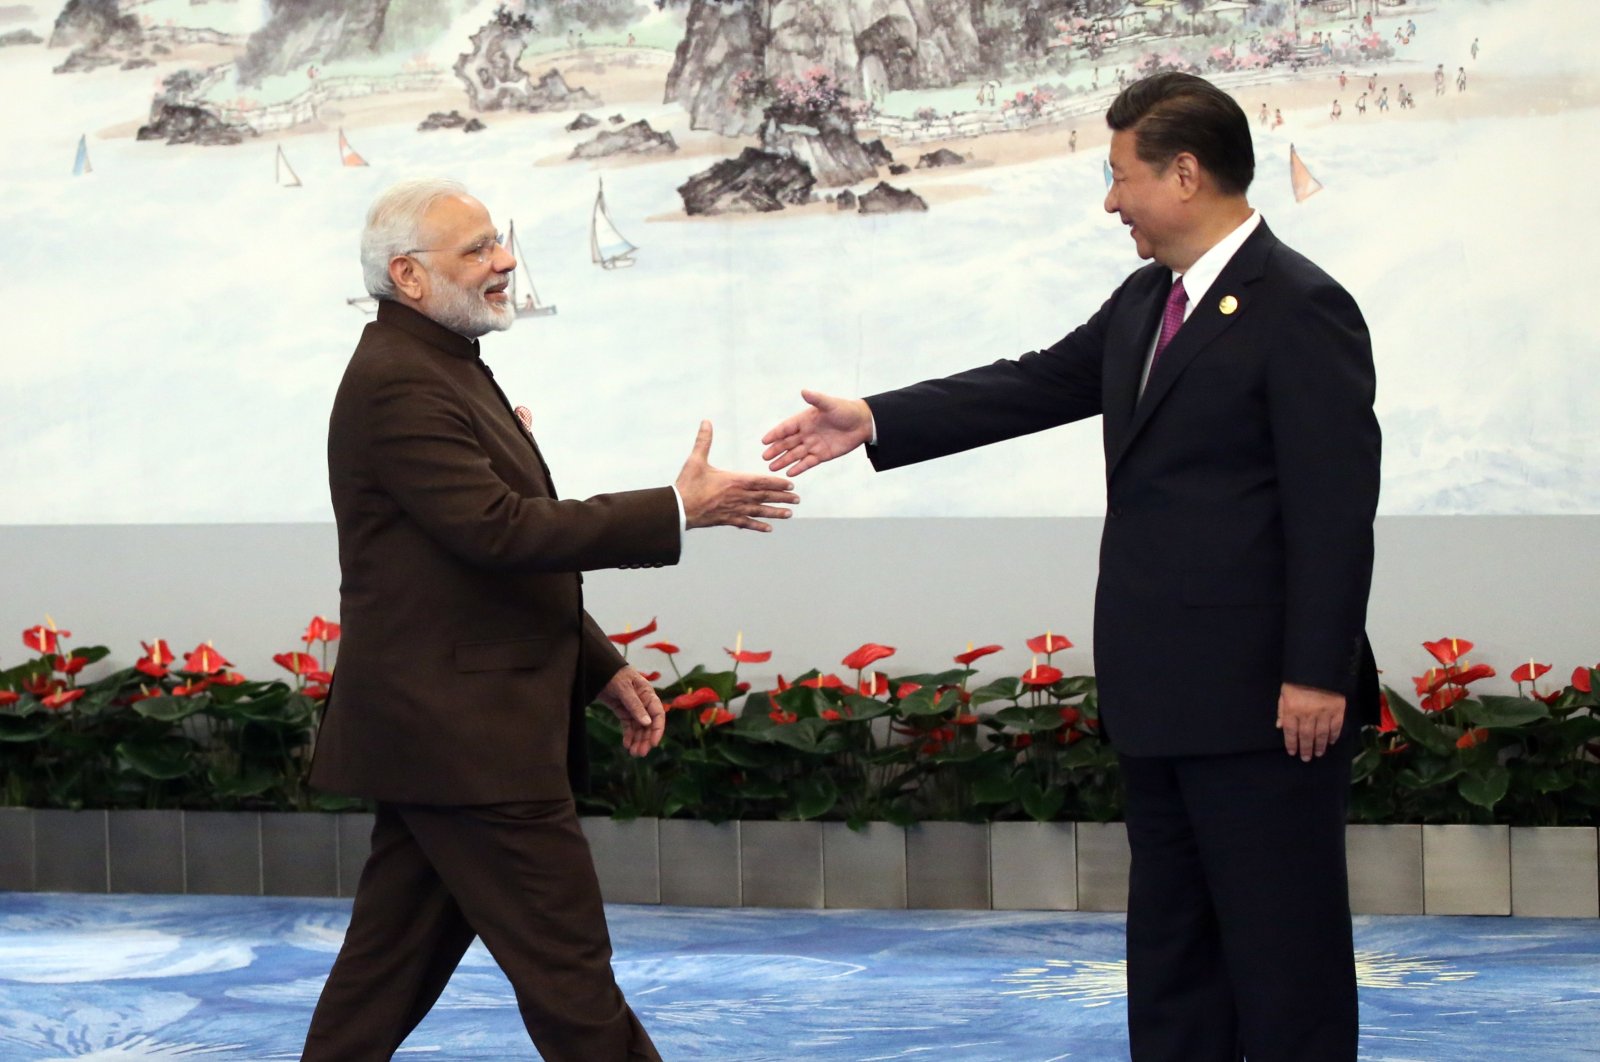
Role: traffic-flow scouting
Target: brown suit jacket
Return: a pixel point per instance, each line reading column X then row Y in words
column 466, row 657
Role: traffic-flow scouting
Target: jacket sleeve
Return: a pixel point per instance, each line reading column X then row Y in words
column 598, row 661
column 1326, row 446
column 425, row 454
column 1006, row 399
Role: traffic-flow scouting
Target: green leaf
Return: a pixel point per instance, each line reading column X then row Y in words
column 863, row 708
column 1496, row 711
column 91, row 653
column 919, row 703
column 1417, row 726
column 161, row 760
column 1042, row 805
column 1001, row 689
column 815, row 795
column 994, row 789
column 1032, row 720
column 171, row 709
column 802, row 735
column 1485, row 786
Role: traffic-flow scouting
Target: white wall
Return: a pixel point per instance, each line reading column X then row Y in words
column 811, row 591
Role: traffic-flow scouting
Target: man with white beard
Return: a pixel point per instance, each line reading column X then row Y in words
column 467, row 660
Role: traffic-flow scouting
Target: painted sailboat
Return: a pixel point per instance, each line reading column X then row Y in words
column 283, row 172
column 527, row 304
column 1305, row 186
column 80, row 165
column 347, row 154
column 608, row 248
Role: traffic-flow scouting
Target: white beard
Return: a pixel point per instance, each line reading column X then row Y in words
column 466, row 311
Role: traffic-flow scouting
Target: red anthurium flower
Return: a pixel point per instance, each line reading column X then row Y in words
column 43, row 639
column 906, row 689
column 823, row 682
column 9, row 697
column 782, row 685
column 297, row 663
column 665, row 647
column 715, row 717
column 973, row 654
column 158, row 652
column 1548, row 698
column 145, row 693
column 831, row 715
column 967, row 719
column 227, row 678
column 867, row 655
column 316, row 693
column 1471, row 738
column 68, row 665
column 1431, row 679
column 695, row 698
column 320, row 630
column 1580, row 679
column 1021, row 741
column 875, row 685
column 1448, row 650
column 781, row 717
column 1472, row 674
column 42, row 686
column 205, row 660
column 741, row 687
column 1529, row 672
column 1386, row 723
column 1048, row 643
column 1439, row 700
column 192, row 688
column 1070, row 715
column 749, row 656
column 1041, row 675
column 151, row 669
column 322, row 678
column 61, row 698
column 650, row 676
column 627, row 637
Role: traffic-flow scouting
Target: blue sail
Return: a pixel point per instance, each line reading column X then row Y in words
column 80, row 165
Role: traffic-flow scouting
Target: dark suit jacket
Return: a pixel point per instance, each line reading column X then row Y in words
column 466, row 656
column 1241, row 489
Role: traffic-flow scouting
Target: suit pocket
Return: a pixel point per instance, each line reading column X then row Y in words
column 504, row 655
column 1233, row 587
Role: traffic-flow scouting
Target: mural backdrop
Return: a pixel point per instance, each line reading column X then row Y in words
column 716, row 203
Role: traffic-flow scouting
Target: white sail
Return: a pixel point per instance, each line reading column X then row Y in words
column 607, row 246
column 285, row 172
column 527, row 304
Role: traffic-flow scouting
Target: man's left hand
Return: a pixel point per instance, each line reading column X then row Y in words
column 1310, row 719
column 637, row 708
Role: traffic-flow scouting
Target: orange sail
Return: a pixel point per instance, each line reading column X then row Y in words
column 1305, row 185
column 347, row 154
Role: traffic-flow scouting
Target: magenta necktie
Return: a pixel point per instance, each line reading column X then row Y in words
column 1171, row 319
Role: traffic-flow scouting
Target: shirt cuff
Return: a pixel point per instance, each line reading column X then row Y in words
column 683, row 518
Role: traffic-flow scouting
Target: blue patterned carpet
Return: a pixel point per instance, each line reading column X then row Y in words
column 201, row 978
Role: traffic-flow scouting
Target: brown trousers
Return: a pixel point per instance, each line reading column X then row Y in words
column 518, row 875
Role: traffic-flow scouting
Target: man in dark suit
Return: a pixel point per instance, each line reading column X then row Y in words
column 467, row 659
column 1235, row 384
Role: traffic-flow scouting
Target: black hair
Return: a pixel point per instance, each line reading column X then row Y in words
column 1171, row 113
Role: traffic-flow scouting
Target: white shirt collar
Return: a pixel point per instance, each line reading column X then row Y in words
column 1200, row 276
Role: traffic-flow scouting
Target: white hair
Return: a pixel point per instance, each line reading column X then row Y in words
column 393, row 224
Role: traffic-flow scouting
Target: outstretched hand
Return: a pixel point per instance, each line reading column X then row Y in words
column 637, row 708
column 830, row 428
column 713, row 497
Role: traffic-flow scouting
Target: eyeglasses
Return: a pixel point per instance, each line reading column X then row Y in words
column 479, row 251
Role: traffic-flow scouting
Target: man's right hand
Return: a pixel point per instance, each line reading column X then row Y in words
column 712, row 497
column 831, row 428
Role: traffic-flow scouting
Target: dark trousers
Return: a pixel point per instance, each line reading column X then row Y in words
column 1239, row 938
column 518, row 875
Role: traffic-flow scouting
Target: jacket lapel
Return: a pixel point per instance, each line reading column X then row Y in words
column 1128, row 343
column 1205, row 325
